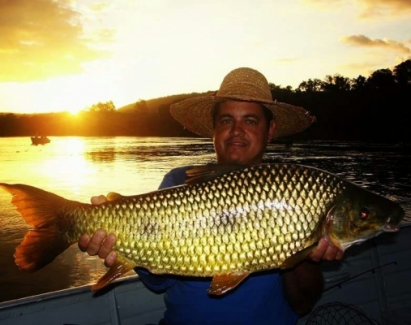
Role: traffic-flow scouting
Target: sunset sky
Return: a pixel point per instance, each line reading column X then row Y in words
column 66, row 55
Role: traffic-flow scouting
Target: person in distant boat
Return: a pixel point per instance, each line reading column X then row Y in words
column 241, row 118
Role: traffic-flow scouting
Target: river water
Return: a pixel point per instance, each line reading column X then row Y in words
column 80, row 167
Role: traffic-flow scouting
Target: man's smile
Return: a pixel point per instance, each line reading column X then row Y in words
column 236, row 142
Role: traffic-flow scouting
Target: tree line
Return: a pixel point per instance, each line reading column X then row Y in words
column 370, row 109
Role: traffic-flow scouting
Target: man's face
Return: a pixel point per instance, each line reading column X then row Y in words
column 241, row 133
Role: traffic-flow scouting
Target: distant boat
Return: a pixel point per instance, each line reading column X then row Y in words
column 39, row 140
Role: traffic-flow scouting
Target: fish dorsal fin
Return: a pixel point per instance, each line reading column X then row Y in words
column 226, row 282
column 120, row 267
column 112, row 196
column 298, row 257
column 204, row 173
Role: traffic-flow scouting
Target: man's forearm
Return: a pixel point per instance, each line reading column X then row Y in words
column 303, row 286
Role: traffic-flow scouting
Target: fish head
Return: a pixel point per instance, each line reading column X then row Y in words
column 359, row 214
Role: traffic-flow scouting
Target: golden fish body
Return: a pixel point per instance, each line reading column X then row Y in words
column 221, row 224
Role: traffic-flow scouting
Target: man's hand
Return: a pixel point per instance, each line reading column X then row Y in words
column 98, row 199
column 100, row 243
column 325, row 251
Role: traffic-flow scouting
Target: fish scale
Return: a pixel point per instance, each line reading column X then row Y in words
column 207, row 233
column 225, row 223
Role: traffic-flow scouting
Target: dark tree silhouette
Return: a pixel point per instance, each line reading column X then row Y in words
column 363, row 109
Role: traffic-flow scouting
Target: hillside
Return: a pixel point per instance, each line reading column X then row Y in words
column 156, row 103
column 372, row 109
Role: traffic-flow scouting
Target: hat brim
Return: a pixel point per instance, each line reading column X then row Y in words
column 196, row 115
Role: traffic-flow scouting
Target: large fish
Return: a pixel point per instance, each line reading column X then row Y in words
column 225, row 222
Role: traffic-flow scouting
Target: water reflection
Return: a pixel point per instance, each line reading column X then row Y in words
column 77, row 168
column 382, row 168
column 102, row 156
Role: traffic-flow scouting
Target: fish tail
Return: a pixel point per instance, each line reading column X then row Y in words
column 40, row 209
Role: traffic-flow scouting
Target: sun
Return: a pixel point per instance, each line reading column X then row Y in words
column 74, row 111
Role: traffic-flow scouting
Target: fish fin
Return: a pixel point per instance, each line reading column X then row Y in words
column 204, row 173
column 226, row 282
column 36, row 206
column 298, row 257
column 39, row 209
column 38, row 249
column 120, row 267
column 112, row 196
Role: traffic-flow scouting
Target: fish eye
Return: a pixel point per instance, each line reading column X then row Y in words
column 364, row 213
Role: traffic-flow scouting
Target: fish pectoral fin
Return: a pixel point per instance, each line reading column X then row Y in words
column 226, row 282
column 297, row 257
column 120, row 267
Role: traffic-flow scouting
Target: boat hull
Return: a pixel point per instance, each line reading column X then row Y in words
column 39, row 140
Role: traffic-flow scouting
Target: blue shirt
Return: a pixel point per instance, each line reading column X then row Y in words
column 257, row 300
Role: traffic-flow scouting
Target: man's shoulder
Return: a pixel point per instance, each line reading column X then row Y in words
column 175, row 176
column 179, row 170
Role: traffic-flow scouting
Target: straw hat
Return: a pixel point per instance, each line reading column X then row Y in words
column 243, row 84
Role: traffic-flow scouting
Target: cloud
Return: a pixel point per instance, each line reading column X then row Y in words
column 99, row 7
column 324, row 3
column 368, row 8
column 43, row 39
column 364, row 41
column 378, row 8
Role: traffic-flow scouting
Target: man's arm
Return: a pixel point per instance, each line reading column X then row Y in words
column 304, row 283
column 303, row 286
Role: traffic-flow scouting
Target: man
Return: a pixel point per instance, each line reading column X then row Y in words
column 242, row 119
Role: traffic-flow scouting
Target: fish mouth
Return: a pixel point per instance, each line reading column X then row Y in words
column 389, row 227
